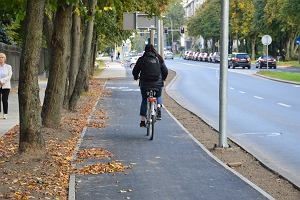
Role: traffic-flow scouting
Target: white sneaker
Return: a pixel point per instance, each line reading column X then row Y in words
column 5, row 116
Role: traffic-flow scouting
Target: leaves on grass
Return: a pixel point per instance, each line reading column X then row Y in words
column 48, row 177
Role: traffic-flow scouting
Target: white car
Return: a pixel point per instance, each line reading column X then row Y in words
column 130, row 61
column 168, row 55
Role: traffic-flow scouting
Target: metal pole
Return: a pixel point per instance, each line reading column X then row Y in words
column 267, row 56
column 172, row 34
column 162, row 39
column 158, row 36
column 152, row 37
column 223, row 75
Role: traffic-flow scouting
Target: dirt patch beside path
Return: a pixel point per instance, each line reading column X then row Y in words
column 235, row 157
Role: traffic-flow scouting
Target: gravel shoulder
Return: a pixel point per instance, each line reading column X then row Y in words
column 235, row 156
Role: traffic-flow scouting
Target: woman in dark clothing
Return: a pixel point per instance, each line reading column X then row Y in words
column 152, row 72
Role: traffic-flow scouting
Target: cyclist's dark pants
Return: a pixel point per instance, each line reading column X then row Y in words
column 143, row 109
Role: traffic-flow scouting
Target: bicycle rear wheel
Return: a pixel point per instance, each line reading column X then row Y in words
column 152, row 127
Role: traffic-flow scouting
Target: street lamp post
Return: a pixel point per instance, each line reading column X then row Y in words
column 172, row 36
column 223, row 75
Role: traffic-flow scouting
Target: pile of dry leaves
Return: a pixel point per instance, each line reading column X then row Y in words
column 45, row 175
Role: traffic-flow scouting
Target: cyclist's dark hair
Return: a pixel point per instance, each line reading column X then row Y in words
column 150, row 48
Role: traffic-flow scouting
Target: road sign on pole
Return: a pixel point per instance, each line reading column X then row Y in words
column 267, row 40
column 133, row 21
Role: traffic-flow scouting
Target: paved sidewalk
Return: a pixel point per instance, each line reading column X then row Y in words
column 13, row 107
column 172, row 166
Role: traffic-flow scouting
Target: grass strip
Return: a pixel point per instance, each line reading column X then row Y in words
column 288, row 76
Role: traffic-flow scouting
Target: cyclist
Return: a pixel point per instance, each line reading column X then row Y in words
column 152, row 72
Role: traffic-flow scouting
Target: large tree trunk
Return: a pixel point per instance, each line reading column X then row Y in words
column 75, row 55
column 28, row 92
column 47, row 29
column 288, row 49
column 83, row 69
column 94, row 53
column 253, row 42
column 51, row 112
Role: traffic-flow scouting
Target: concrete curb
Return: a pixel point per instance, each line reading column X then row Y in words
column 220, row 162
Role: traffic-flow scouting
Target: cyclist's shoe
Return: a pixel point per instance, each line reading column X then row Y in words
column 158, row 116
column 143, row 124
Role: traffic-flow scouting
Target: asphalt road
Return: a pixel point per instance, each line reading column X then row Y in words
column 263, row 115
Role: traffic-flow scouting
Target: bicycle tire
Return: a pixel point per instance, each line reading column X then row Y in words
column 152, row 126
column 148, row 115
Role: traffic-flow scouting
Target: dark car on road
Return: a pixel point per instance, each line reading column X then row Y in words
column 240, row 60
column 264, row 60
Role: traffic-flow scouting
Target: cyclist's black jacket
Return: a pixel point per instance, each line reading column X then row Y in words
column 138, row 72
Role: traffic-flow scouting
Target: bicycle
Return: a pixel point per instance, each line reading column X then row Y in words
column 151, row 112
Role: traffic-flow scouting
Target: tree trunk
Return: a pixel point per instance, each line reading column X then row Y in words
column 253, row 42
column 47, row 29
column 82, row 73
column 51, row 112
column 28, row 91
column 288, row 49
column 94, row 54
column 75, row 53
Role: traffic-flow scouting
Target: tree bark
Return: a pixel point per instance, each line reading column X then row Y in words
column 83, row 69
column 75, row 54
column 253, row 42
column 28, row 91
column 288, row 49
column 51, row 112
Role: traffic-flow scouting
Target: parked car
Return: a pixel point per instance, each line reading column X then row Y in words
column 240, row 60
column 130, row 61
column 263, row 60
column 204, row 57
column 215, row 57
column 186, row 54
column 191, row 55
column 195, row 57
column 168, row 55
column 209, row 58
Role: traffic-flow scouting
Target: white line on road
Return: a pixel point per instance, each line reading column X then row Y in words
column 231, row 88
column 296, row 86
column 285, row 105
column 257, row 97
column 242, row 92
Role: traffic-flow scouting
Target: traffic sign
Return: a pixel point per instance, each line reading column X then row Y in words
column 298, row 40
column 266, row 40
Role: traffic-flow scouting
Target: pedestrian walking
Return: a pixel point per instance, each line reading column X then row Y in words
column 118, row 58
column 278, row 55
column 283, row 54
column 112, row 56
column 5, row 86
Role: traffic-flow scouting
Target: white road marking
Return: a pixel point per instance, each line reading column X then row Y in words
column 284, row 105
column 118, row 88
column 296, row 86
column 261, row 134
column 130, row 90
column 242, row 92
column 258, row 97
column 231, row 88
column 188, row 64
